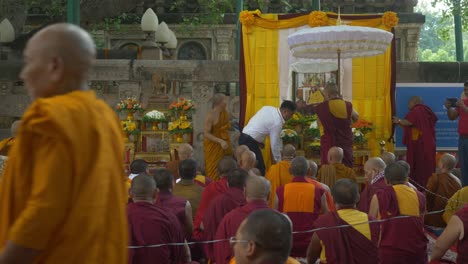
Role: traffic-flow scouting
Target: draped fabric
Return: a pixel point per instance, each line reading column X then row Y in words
column 261, row 68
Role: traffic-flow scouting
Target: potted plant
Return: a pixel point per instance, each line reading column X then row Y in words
column 154, row 117
column 179, row 128
column 129, row 106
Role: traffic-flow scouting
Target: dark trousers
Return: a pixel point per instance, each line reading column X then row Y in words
column 247, row 140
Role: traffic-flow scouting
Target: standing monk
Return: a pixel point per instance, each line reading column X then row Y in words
column 216, row 142
column 420, row 140
column 278, row 174
column 63, row 173
column 336, row 116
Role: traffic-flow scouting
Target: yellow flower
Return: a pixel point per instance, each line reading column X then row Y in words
column 185, row 125
column 131, row 126
column 247, row 18
column 390, row 19
column 318, row 19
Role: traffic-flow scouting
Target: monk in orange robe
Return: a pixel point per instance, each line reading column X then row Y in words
column 7, row 143
column 403, row 239
column 63, row 193
column 335, row 169
column 216, row 140
column 311, row 178
column 278, row 174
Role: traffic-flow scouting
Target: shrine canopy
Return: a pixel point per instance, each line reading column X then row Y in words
column 265, row 65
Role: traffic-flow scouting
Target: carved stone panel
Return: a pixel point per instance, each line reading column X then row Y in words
column 130, row 89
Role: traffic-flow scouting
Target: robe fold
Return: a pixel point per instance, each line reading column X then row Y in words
column 420, row 141
column 212, row 150
column 347, row 245
column 330, row 173
column 211, row 191
column 190, row 191
column 278, row 175
column 5, row 145
column 302, row 202
column 175, row 205
column 445, row 185
column 63, row 191
column 462, row 245
column 152, row 225
column 223, row 204
column 368, row 193
column 394, row 247
column 328, row 196
column 228, row 228
column 336, row 130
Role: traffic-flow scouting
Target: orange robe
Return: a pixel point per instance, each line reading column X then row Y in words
column 445, row 185
column 329, row 174
column 330, row 201
column 213, row 151
column 5, row 145
column 278, row 175
column 63, row 191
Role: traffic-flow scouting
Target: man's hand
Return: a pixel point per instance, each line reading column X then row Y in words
column 224, row 144
column 396, row 120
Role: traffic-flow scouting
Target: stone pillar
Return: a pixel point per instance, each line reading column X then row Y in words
column 409, row 37
column 223, row 38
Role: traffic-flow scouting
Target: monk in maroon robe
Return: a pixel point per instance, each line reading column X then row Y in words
column 354, row 244
column 402, row 240
column 303, row 202
column 336, row 116
column 420, row 140
column 152, row 225
column 256, row 192
column 223, row 204
column 374, row 172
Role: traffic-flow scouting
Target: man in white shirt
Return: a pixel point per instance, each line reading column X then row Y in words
column 268, row 121
column 137, row 167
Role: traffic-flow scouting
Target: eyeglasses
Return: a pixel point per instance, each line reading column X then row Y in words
column 233, row 241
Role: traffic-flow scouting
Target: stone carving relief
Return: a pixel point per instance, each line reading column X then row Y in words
column 202, row 92
column 130, row 89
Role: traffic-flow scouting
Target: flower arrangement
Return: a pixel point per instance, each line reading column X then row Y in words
column 129, row 127
column 296, row 119
column 390, row 19
column 154, row 116
column 313, row 130
column 129, row 105
column 358, row 136
column 318, row 19
column 180, row 127
column 181, row 105
column 363, row 126
column 289, row 136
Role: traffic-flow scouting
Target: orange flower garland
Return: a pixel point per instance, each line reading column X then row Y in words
column 390, row 19
column 318, row 19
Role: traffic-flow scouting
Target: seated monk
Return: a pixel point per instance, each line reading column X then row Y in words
column 6, row 143
column 388, row 157
column 402, row 240
column 151, row 224
column 278, row 174
column 355, row 244
column 221, row 205
column 442, row 184
column 238, row 152
column 180, row 207
column 303, row 202
column 263, row 237
column 256, row 195
column 455, row 203
column 185, row 151
column 374, row 169
column 248, row 160
column 455, row 233
column 187, row 188
column 335, row 169
column 311, row 178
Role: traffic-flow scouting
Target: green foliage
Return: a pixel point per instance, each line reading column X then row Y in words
column 51, row 8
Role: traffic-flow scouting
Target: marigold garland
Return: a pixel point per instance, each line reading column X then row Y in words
column 318, row 19
column 390, row 19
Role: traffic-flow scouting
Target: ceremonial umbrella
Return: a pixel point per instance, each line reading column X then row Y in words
column 330, row 42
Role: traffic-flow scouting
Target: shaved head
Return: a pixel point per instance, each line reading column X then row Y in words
column 396, row 173
column 299, row 167
column 448, row 162
column 164, row 179
column 289, row 151
column 375, row 163
column 257, row 187
column 414, row 100
column 255, row 172
column 388, row 157
column 335, row 155
column 225, row 165
column 239, row 150
column 185, row 151
column 313, row 169
column 143, row 187
column 248, row 160
column 14, row 127
column 217, row 99
column 331, row 89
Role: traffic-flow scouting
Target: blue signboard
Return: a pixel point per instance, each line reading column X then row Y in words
column 433, row 95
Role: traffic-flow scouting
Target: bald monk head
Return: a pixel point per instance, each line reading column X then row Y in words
column 15, row 127
column 335, row 155
column 237, row 178
column 164, row 179
column 248, row 160
column 414, row 100
column 269, row 238
column 225, row 165
column 143, row 189
column 345, row 193
column 257, row 188
column 57, row 61
column 138, row 166
column 396, row 173
column 373, row 167
column 405, row 165
column 313, row 169
column 331, row 91
column 255, row 172
column 299, row 167
column 218, row 100
column 185, row 151
column 388, row 157
column 239, row 150
column 447, row 163
column 288, row 152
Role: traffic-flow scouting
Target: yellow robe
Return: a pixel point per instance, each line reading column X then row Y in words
column 455, row 203
column 278, row 175
column 213, row 151
column 63, row 190
column 5, row 145
column 329, row 174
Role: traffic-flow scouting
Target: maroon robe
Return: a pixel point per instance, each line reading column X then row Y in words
column 210, row 192
column 173, row 204
column 402, row 240
column 347, row 245
column 420, row 153
column 151, row 225
column 336, row 132
column 231, row 199
column 302, row 219
column 368, row 193
column 462, row 247
column 228, row 228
